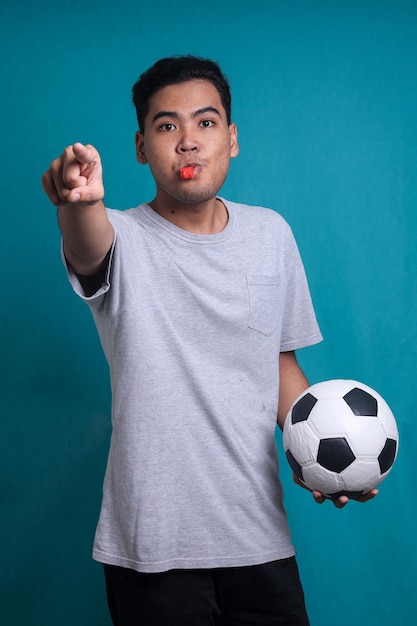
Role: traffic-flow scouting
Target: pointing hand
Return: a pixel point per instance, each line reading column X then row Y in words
column 75, row 177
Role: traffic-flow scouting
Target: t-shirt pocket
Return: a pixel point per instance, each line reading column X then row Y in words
column 264, row 303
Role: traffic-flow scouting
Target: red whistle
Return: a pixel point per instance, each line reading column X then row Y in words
column 187, row 172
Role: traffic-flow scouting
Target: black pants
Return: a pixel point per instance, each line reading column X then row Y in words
column 269, row 594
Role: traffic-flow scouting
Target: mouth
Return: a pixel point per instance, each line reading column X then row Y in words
column 189, row 172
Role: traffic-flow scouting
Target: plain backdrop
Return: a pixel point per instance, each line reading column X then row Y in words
column 324, row 96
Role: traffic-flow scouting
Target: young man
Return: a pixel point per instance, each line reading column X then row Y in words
column 200, row 304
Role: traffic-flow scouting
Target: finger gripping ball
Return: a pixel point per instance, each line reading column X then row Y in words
column 341, row 438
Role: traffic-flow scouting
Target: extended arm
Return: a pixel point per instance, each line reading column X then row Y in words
column 74, row 184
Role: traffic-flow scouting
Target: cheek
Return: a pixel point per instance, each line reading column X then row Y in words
column 158, row 163
column 157, row 152
column 222, row 159
column 223, row 149
column 218, row 173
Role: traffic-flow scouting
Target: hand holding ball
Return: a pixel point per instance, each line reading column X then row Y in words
column 340, row 438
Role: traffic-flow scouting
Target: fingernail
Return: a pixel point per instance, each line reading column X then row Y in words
column 76, row 197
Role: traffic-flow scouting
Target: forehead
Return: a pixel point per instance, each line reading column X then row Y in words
column 186, row 98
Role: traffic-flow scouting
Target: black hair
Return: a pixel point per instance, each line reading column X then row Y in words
column 174, row 70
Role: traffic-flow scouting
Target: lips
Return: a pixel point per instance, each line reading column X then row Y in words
column 189, row 171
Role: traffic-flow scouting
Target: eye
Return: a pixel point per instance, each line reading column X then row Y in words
column 206, row 123
column 167, row 127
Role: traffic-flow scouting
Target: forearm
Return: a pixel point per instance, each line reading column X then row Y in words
column 292, row 382
column 87, row 235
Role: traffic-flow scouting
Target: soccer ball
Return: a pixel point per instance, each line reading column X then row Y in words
column 341, row 438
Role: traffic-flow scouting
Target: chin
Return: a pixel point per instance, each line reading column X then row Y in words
column 195, row 196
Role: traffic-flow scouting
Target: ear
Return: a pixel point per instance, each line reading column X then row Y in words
column 140, row 148
column 234, row 145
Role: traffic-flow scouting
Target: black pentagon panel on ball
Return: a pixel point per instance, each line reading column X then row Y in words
column 387, row 455
column 302, row 409
column 295, row 466
column 335, row 454
column 361, row 402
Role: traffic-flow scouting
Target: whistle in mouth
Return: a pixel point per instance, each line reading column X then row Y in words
column 187, row 172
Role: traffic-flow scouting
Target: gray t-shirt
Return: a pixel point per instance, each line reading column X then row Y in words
column 192, row 327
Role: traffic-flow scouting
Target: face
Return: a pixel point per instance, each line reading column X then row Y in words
column 186, row 125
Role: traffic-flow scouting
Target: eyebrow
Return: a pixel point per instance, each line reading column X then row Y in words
column 174, row 114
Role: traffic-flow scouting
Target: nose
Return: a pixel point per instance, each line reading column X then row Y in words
column 187, row 142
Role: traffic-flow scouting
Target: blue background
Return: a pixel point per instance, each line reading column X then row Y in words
column 325, row 102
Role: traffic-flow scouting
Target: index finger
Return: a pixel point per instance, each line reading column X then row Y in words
column 84, row 153
column 80, row 164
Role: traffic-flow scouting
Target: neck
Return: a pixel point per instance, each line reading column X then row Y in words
column 207, row 218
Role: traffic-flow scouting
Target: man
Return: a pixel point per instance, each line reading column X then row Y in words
column 200, row 304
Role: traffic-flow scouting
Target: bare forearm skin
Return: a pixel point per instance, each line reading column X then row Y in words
column 292, row 383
